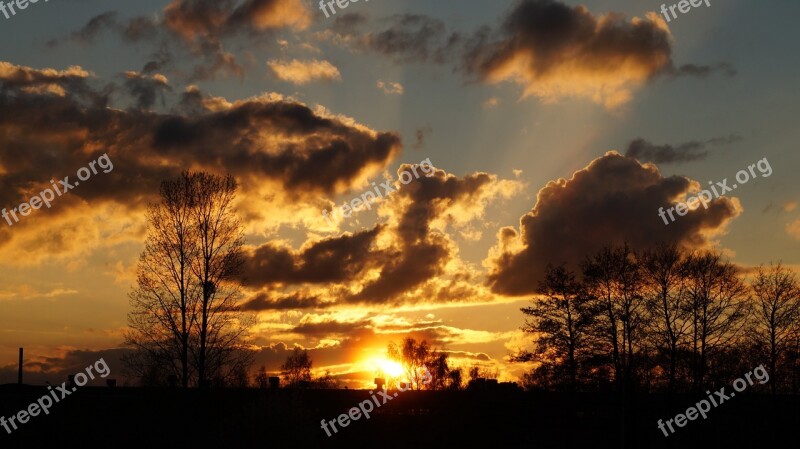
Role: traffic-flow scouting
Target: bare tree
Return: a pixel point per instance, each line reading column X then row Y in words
column 717, row 308
column 665, row 292
column 220, row 240
column 164, row 301
column 632, row 308
column 613, row 278
column 662, row 316
column 184, row 310
column 777, row 310
column 237, row 377
column 600, row 280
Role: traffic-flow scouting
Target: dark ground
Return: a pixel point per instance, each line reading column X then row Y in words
column 156, row 418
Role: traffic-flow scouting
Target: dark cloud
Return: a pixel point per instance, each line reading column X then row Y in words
column 217, row 62
column 349, row 23
column 702, row 70
column 613, row 200
column 265, row 301
column 421, row 253
column 95, row 25
column 554, row 50
column 161, row 59
column 419, row 262
column 383, row 264
column 228, row 135
column 131, row 30
column 208, row 48
column 138, row 28
column 54, row 122
column 193, row 18
column 336, row 259
column 200, row 26
column 430, row 196
column 403, row 37
column 203, row 25
column 551, row 49
column 667, row 154
column 273, row 146
column 413, row 37
column 329, row 328
column 434, row 332
column 146, row 89
column 18, row 80
column 319, row 153
column 212, row 19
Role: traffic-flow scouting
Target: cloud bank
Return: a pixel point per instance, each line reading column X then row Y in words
column 612, row 200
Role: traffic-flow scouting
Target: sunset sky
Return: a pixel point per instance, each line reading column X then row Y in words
column 527, row 110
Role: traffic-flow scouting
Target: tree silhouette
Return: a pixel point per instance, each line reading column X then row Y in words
column 297, row 367
column 412, row 355
column 423, row 364
column 560, row 320
column 219, row 243
column 664, row 272
column 262, row 380
column 613, row 278
column 455, row 379
column 325, row 382
column 717, row 308
column 660, row 318
column 164, row 301
column 775, row 319
column 438, row 369
column 185, row 318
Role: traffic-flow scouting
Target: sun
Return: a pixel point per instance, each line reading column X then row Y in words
column 386, row 366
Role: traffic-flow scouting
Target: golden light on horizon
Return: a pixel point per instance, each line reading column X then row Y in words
column 390, row 368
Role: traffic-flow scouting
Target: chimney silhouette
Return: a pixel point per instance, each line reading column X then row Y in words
column 19, row 375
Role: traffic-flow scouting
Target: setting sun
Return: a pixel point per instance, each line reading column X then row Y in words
column 386, row 366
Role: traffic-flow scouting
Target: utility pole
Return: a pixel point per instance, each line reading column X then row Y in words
column 19, row 376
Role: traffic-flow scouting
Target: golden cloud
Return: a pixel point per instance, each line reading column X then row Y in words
column 304, row 72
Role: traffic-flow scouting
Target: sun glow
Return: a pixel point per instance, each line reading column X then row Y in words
column 386, row 366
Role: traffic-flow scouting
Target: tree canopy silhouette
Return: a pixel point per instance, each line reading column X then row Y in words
column 297, row 367
column 663, row 318
column 185, row 321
